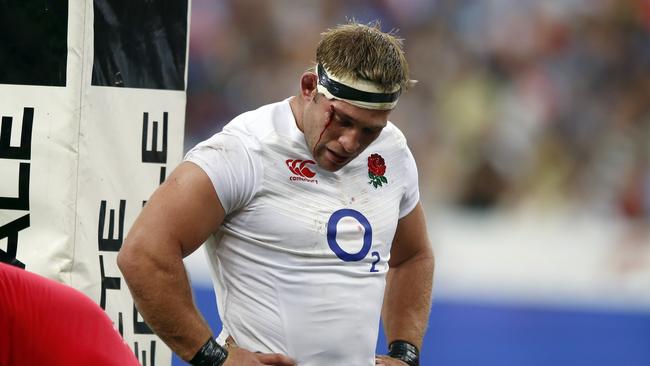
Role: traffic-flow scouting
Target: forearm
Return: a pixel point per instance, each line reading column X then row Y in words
column 407, row 301
column 162, row 293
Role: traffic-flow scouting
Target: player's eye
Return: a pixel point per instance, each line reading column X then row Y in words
column 343, row 122
column 371, row 131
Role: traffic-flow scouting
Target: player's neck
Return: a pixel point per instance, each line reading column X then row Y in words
column 296, row 108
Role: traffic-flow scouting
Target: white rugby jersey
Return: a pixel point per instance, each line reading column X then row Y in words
column 300, row 261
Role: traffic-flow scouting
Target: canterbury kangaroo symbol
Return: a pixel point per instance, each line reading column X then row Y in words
column 299, row 167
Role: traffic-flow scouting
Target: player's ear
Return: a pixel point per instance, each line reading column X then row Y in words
column 308, row 82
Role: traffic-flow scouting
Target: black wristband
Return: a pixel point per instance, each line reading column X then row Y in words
column 404, row 351
column 211, row 354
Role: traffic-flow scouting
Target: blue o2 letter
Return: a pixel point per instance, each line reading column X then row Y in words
column 331, row 235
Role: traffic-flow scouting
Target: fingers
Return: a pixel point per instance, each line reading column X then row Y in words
column 242, row 357
column 383, row 360
column 275, row 359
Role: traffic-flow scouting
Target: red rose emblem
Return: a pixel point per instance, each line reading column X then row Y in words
column 376, row 164
column 376, row 170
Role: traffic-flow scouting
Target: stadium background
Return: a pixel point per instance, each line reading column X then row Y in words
column 531, row 128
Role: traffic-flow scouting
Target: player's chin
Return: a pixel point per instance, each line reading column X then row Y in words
column 332, row 161
column 330, row 166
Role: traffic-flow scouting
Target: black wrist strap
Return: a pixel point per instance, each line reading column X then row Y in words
column 211, row 354
column 404, row 351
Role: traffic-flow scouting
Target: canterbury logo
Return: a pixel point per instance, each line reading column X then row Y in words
column 298, row 167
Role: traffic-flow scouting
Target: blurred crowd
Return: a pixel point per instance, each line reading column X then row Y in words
column 519, row 103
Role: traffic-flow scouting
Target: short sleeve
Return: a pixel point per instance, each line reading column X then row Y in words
column 232, row 163
column 411, row 195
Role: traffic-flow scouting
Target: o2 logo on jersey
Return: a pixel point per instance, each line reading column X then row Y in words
column 367, row 237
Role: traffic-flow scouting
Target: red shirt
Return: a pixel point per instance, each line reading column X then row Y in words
column 43, row 322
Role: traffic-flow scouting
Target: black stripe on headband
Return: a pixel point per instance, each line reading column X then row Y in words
column 343, row 91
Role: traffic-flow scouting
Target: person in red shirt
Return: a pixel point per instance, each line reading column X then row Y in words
column 43, row 322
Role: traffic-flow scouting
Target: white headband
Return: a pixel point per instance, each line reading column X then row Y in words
column 359, row 92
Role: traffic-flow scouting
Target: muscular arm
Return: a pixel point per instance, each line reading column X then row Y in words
column 407, row 301
column 176, row 220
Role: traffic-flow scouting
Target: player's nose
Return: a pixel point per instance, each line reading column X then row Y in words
column 349, row 140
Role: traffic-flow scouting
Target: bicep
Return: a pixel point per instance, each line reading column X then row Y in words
column 411, row 237
column 181, row 213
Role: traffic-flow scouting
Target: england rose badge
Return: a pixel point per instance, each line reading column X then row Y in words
column 376, row 170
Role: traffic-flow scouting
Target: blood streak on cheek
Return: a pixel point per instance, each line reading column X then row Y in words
column 329, row 121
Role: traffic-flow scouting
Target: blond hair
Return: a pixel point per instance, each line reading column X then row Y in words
column 361, row 51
